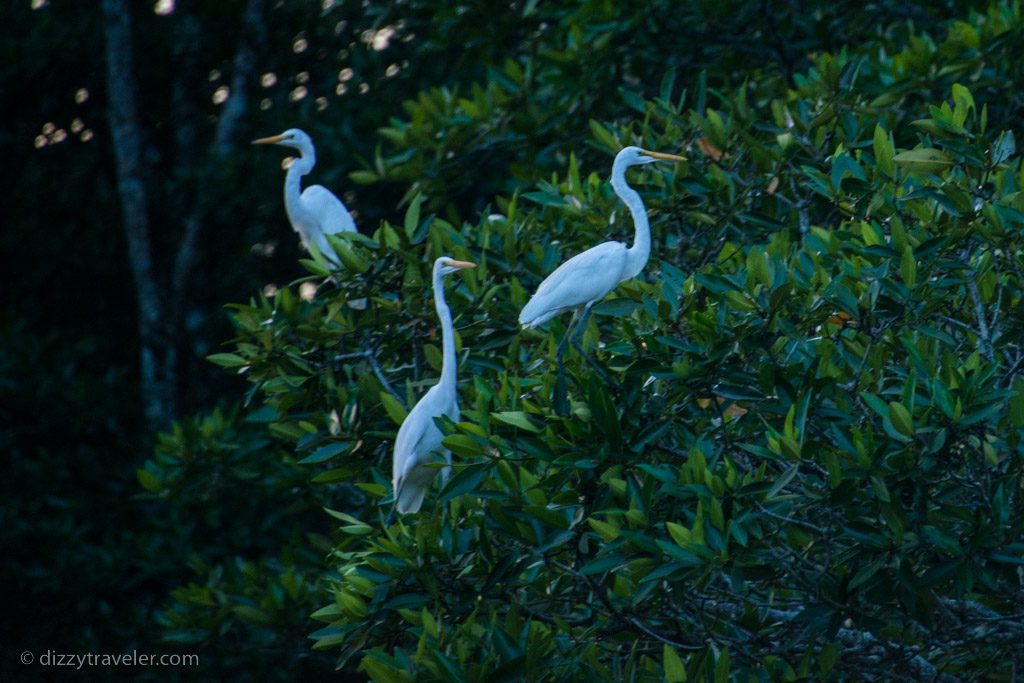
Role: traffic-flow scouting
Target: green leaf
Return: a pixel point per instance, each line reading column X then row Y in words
column 1004, row 147
column 463, row 445
column 517, row 419
column 758, row 269
column 335, row 475
column 866, row 572
column 616, row 307
column 722, row 667
column 412, row 215
column 430, row 626
column 315, row 267
column 330, row 613
column 884, row 152
column 363, row 177
column 227, row 360
column 395, row 410
column 964, row 102
column 782, row 481
column 603, row 136
column 900, row 418
column 1016, row 404
column 881, row 490
column 347, row 252
column 923, row 160
column 680, row 534
column 908, row 267
column 604, row 564
column 148, row 481
column 827, row 658
column 348, row 519
column 943, row 540
column 546, row 199
column 252, row 615
column 324, row 453
column 607, row 531
column 464, row 480
column 675, row 671
column 379, row 672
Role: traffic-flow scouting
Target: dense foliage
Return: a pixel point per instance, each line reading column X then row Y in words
column 807, row 461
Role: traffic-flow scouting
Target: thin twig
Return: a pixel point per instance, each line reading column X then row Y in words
column 371, row 357
column 791, row 520
column 625, row 618
column 979, row 312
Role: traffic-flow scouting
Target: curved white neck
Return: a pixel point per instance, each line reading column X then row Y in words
column 449, row 365
column 293, row 179
column 636, row 255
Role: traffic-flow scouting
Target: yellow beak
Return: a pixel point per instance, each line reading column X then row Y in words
column 663, row 156
column 461, row 264
column 269, row 141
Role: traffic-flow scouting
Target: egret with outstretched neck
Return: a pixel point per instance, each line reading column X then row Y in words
column 418, row 443
column 587, row 278
column 315, row 211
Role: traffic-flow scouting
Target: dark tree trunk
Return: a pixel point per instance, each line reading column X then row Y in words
column 161, row 307
column 253, row 39
column 158, row 361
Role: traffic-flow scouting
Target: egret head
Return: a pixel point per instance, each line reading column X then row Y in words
column 293, row 137
column 634, row 156
column 446, row 265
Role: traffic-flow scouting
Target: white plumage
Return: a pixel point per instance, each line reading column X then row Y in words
column 587, row 278
column 315, row 211
column 580, row 281
column 419, row 440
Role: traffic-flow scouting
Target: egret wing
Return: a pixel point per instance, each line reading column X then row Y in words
column 331, row 213
column 418, row 437
column 583, row 279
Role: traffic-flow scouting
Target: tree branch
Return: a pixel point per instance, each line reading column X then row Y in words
column 157, row 357
column 253, row 38
column 979, row 311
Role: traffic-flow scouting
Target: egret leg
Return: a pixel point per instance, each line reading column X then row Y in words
column 560, row 398
column 575, row 341
column 391, row 518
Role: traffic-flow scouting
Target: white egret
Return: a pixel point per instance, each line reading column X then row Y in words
column 587, row 278
column 315, row 211
column 418, row 437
